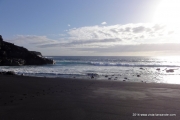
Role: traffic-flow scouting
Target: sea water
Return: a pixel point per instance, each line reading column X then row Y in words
column 114, row 68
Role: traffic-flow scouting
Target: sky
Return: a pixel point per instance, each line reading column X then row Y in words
column 93, row 27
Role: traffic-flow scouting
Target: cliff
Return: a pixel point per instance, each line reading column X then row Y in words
column 12, row 55
column 37, row 53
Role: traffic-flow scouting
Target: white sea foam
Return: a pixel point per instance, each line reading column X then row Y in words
column 84, row 67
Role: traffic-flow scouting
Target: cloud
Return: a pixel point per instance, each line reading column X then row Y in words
column 128, row 33
column 166, row 47
column 78, row 43
column 112, row 38
column 68, row 25
column 102, row 36
column 103, row 23
column 139, row 29
column 31, row 40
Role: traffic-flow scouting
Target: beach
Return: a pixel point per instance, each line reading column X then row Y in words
column 115, row 68
column 90, row 60
column 40, row 98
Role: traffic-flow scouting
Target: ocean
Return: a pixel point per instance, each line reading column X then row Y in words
column 114, row 68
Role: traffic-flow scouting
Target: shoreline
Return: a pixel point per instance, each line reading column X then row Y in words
column 27, row 98
column 89, row 78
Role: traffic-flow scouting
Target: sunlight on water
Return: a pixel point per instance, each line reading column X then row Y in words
column 130, row 69
column 169, row 60
column 173, row 79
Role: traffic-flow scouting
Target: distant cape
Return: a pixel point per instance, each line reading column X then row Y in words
column 13, row 55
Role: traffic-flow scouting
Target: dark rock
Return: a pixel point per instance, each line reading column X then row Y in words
column 37, row 53
column 1, row 39
column 92, row 75
column 141, row 68
column 138, row 75
column 125, row 78
column 12, row 55
column 170, row 70
column 106, row 75
column 158, row 69
column 7, row 73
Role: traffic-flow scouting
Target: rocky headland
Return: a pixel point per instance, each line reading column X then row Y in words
column 13, row 55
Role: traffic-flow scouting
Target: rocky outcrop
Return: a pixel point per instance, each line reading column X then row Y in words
column 1, row 39
column 7, row 73
column 12, row 55
column 37, row 53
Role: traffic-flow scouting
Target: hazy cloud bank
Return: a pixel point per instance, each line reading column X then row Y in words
column 123, row 38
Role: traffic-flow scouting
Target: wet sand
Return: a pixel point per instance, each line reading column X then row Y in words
column 32, row 98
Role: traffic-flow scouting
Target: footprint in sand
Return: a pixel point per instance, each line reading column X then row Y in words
column 11, row 96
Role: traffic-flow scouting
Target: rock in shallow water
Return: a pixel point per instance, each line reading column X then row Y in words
column 138, row 76
column 158, row 69
column 170, row 70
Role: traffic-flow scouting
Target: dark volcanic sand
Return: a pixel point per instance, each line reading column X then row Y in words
column 31, row 98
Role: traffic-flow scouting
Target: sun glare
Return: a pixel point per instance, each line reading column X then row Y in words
column 168, row 13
